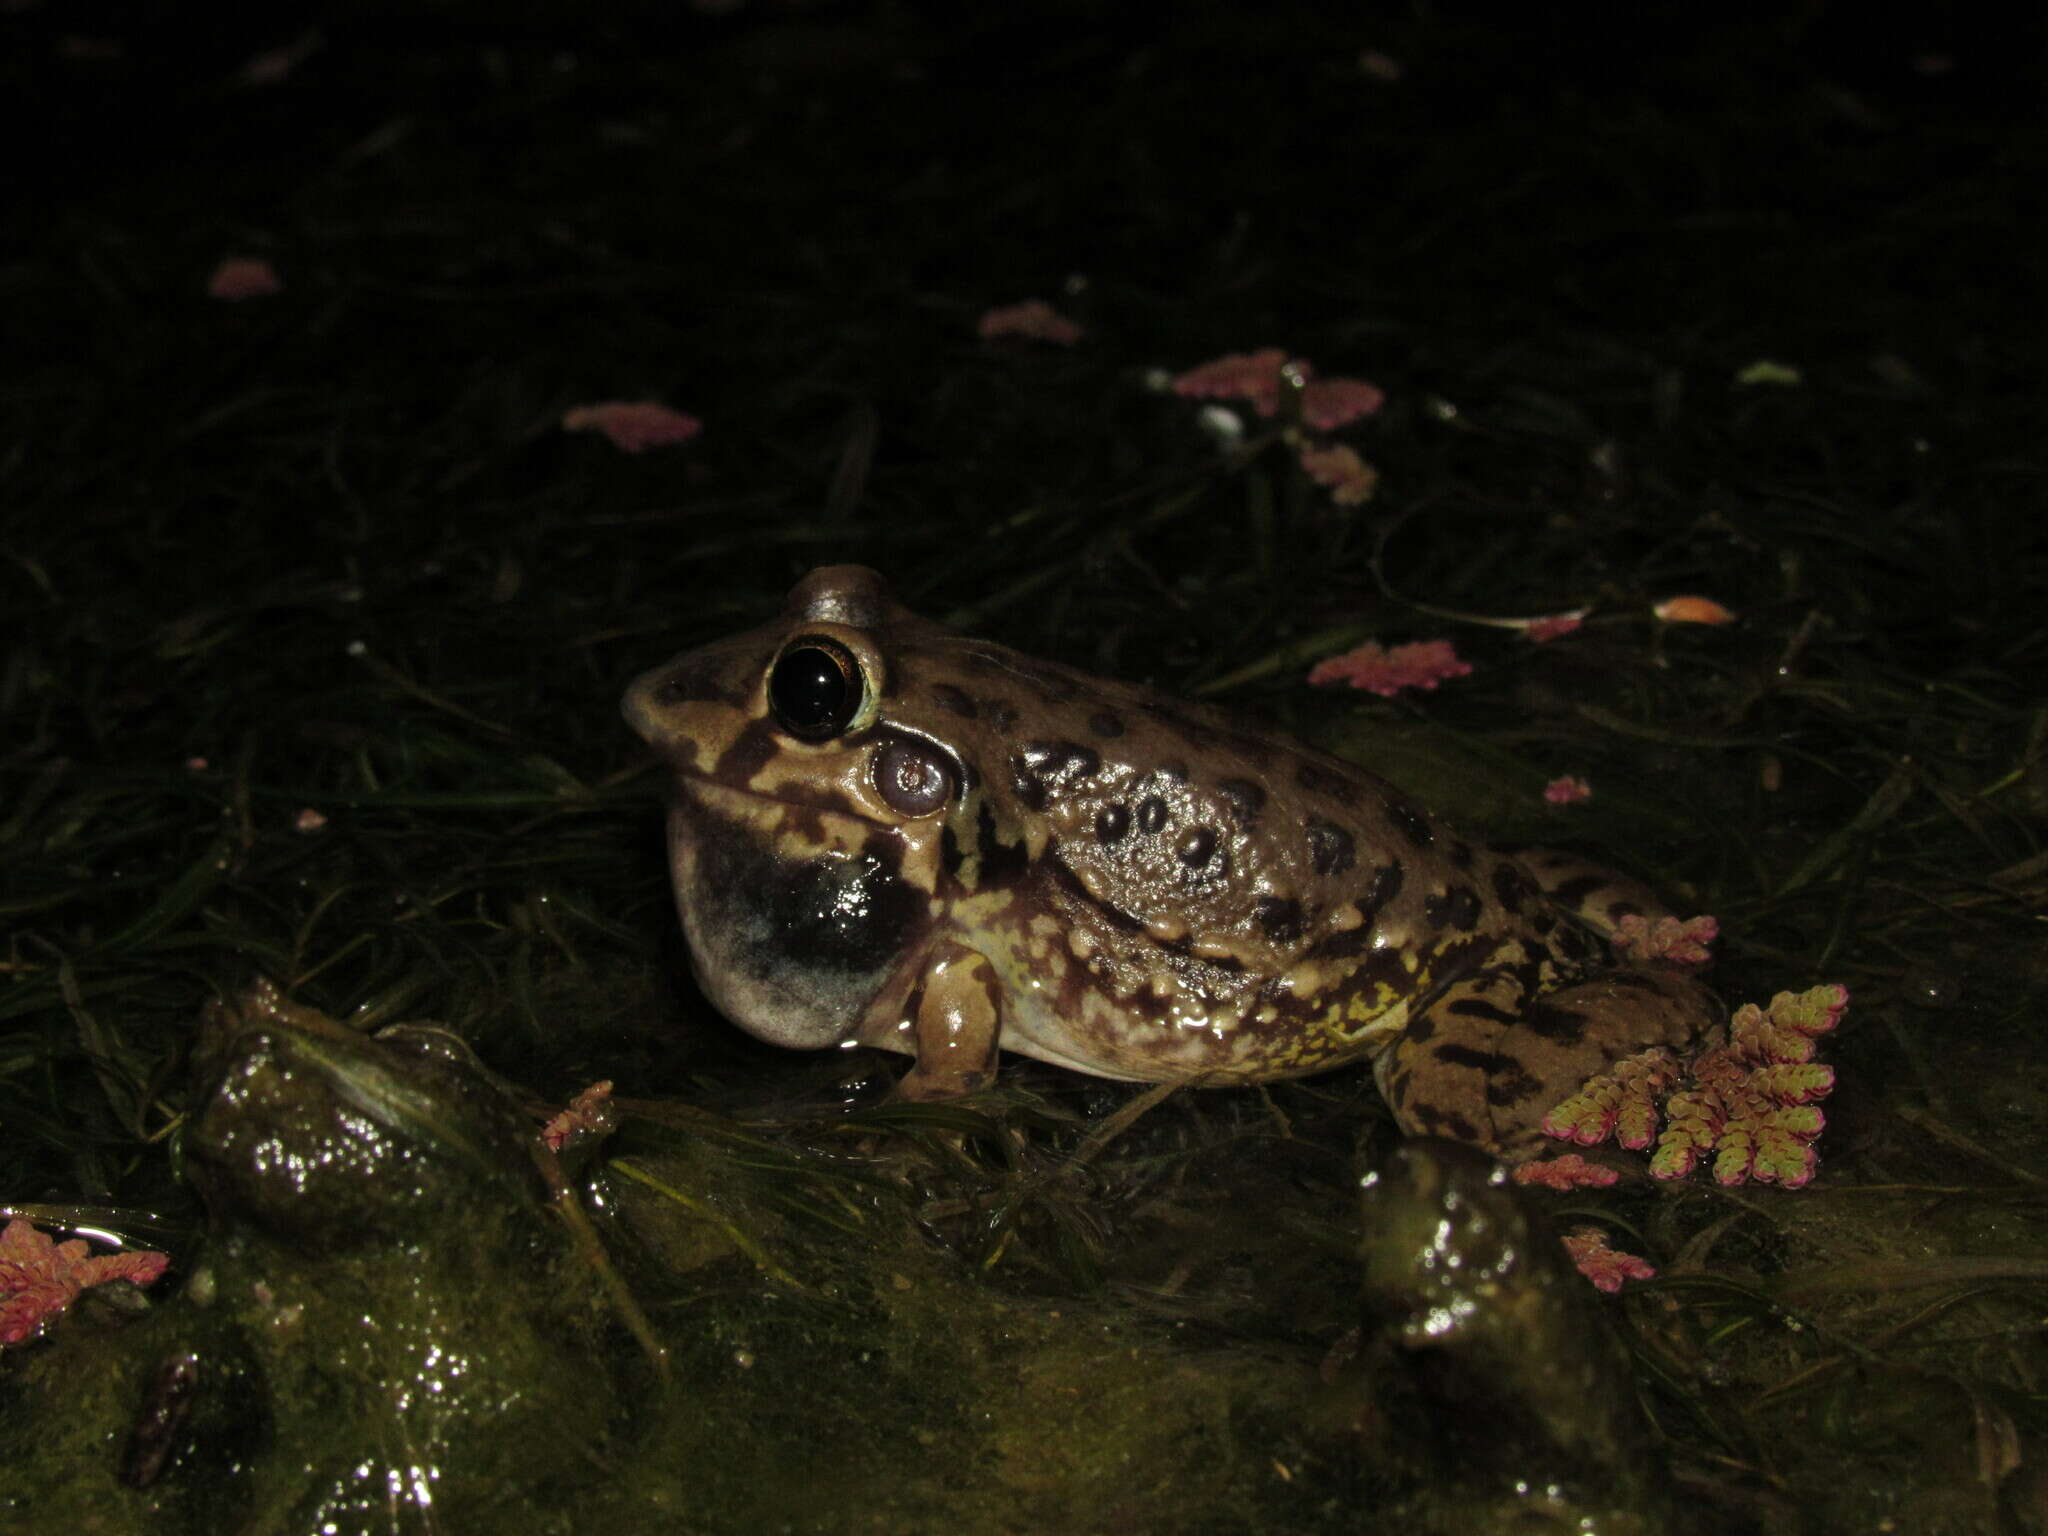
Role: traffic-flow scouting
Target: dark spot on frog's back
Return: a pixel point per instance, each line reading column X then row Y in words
column 947, row 697
column 1318, row 780
column 1045, row 768
column 1106, row 724
column 1112, row 823
column 1244, row 798
column 1151, row 814
column 1386, row 885
column 1457, row 907
column 1574, row 943
column 1331, row 849
column 1412, row 823
column 1197, row 847
column 1279, row 918
column 1511, row 888
column 1060, row 759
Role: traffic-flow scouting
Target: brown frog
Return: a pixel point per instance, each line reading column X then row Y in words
column 887, row 833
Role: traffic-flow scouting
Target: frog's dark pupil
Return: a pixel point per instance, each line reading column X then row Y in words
column 815, row 689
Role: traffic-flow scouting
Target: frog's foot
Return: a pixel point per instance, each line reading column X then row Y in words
column 957, row 1020
column 1485, row 1063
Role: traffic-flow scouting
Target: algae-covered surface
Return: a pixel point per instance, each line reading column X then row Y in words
column 317, row 612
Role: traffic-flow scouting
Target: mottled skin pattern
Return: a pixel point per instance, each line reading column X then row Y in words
column 995, row 850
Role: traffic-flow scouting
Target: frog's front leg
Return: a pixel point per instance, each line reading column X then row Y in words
column 1489, row 1058
column 957, row 1020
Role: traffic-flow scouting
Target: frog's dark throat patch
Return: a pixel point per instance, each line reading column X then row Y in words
column 793, row 948
column 833, row 912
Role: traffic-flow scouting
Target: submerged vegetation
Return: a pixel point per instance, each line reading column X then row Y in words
column 316, row 619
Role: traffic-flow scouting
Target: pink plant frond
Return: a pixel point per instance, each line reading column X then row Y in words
column 1568, row 789
column 243, row 277
column 1680, row 941
column 590, row 1116
column 1253, row 376
column 1621, row 1102
column 633, row 426
column 1350, row 479
column 1602, row 1264
column 1567, row 1172
column 1551, row 625
column 1033, row 319
column 1385, row 672
column 40, row 1277
column 139, row 1265
column 1788, row 1029
column 1327, row 404
column 1792, row 1082
column 1690, row 609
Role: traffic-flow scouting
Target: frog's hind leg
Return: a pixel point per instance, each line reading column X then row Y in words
column 1598, row 896
column 1486, row 1061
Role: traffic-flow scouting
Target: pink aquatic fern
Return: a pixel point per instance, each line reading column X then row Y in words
column 1606, row 1267
column 1748, row 1102
column 1679, row 941
column 1620, row 1102
column 40, row 1277
column 1386, row 672
column 1033, row 319
column 590, row 1116
column 1568, row 789
column 1351, row 481
column 1255, row 377
column 244, row 277
column 1568, row 1172
column 1689, row 608
column 1327, row 404
column 633, row 426
column 1751, row 1104
column 1550, row 626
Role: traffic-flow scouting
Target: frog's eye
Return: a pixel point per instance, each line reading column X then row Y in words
column 815, row 688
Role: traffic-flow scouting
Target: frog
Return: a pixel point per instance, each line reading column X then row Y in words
column 885, row 832
column 1485, row 1360
column 387, row 1325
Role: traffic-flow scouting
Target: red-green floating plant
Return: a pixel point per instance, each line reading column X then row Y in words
column 1748, row 1105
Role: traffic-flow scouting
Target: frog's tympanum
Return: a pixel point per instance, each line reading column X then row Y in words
column 1520, row 1387
column 386, row 1329
column 889, row 833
